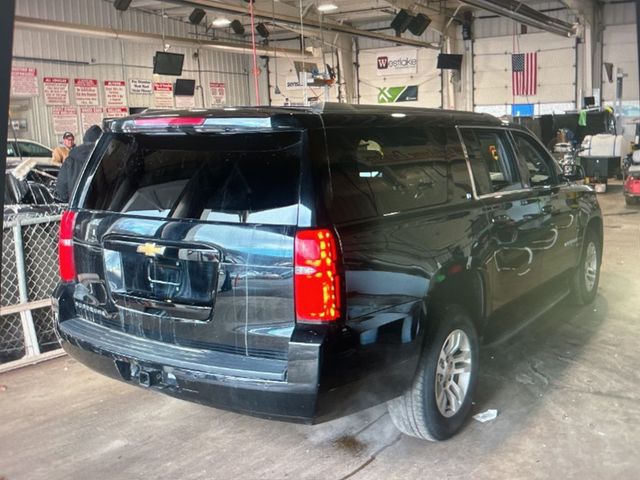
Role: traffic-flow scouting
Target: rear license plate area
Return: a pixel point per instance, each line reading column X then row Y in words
column 162, row 277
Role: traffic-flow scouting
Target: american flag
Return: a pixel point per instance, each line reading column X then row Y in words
column 525, row 73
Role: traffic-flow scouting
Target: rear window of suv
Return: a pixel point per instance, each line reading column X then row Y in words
column 236, row 178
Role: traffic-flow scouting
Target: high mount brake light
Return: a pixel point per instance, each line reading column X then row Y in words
column 65, row 247
column 169, row 121
column 317, row 282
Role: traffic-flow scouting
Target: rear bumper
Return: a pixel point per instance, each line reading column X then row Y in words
column 238, row 387
column 325, row 375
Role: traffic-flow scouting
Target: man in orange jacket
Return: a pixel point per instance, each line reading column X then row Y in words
column 61, row 152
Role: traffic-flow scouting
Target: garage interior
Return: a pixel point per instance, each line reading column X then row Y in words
column 565, row 387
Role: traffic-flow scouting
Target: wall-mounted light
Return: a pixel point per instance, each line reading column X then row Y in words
column 121, row 5
column 237, row 27
column 196, row 16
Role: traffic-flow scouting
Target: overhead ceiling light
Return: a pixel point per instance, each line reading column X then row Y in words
column 327, row 7
column 220, row 22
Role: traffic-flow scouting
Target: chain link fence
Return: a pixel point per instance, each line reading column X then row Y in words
column 29, row 275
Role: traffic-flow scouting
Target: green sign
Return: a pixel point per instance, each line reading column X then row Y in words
column 398, row 94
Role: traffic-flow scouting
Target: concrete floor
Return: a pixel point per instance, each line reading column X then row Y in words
column 567, row 389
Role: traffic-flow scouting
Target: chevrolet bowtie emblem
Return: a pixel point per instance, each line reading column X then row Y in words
column 150, row 249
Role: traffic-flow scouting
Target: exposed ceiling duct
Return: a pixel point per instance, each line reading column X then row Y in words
column 522, row 13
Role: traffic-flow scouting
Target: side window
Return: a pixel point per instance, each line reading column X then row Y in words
column 377, row 171
column 536, row 160
column 11, row 150
column 491, row 160
column 28, row 149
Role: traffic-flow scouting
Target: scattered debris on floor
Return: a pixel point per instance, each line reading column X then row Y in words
column 487, row 415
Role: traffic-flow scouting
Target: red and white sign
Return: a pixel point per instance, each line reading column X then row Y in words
column 24, row 82
column 218, row 96
column 86, row 91
column 90, row 116
column 115, row 93
column 139, row 86
column 56, row 91
column 116, row 112
column 163, row 94
column 65, row 119
column 185, row 101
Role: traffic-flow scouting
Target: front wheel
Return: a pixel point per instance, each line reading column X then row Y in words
column 587, row 275
column 439, row 400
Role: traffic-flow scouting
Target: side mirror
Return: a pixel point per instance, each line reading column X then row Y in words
column 572, row 172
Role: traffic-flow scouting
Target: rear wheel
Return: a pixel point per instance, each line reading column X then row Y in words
column 630, row 200
column 587, row 274
column 439, row 400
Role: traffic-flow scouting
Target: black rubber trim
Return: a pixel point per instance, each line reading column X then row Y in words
column 145, row 350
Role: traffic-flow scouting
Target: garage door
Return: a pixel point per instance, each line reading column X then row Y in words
column 556, row 58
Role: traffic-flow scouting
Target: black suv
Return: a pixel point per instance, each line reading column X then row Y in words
column 302, row 264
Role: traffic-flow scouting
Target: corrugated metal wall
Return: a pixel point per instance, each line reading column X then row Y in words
column 620, row 47
column 76, row 56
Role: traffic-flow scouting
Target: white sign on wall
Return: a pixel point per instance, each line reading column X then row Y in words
column 293, row 83
column 163, row 94
column 398, row 62
column 90, row 116
column 65, row 119
column 218, row 95
column 185, row 101
column 24, row 82
column 115, row 93
column 56, row 91
column 116, row 112
column 86, row 90
column 140, row 87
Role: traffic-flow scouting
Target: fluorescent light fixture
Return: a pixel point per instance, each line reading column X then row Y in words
column 398, row 115
column 221, row 22
column 327, row 7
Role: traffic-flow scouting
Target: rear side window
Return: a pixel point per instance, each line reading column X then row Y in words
column 536, row 160
column 239, row 178
column 491, row 160
column 380, row 171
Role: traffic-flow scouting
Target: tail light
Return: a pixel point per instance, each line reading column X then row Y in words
column 317, row 281
column 65, row 247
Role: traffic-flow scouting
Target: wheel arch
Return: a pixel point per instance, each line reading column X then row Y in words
column 467, row 288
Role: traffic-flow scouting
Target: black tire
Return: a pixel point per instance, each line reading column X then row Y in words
column 416, row 412
column 631, row 200
column 582, row 291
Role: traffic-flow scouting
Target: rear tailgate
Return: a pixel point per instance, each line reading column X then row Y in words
column 188, row 239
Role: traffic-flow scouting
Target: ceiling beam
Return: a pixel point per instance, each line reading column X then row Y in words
column 522, row 13
column 291, row 19
column 91, row 31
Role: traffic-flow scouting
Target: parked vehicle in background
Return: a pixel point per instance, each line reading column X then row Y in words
column 21, row 149
column 303, row 264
